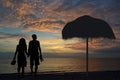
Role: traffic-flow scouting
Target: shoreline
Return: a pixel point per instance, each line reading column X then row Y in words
column 96, row 75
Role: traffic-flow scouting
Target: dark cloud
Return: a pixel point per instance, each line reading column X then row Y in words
column 73, row 4
column 112, row 50
column 66, row 5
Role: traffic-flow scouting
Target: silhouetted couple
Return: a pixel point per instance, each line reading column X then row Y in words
column 34, row 51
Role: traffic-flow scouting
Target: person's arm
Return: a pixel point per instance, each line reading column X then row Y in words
column 26, row 52
column 40, row 52
column 15, row 52
column 29, row 49
column 39, row 48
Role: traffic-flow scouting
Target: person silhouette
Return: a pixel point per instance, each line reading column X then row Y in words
column 21, row 49
column 34, row 51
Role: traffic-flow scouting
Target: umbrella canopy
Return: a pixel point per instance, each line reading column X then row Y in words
column 87, row 27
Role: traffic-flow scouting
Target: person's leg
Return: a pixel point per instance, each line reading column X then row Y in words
column 36, row 64
column 22, row 71
column 31, row 64
column 36, row 68
column 18, row 71
column 31, row 67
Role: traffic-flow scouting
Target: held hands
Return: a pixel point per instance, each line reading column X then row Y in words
column 28, row 55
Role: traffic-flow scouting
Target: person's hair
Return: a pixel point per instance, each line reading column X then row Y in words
column 22, row 43
column 34, row 36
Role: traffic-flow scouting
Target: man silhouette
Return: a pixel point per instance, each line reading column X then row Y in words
column 34, row 51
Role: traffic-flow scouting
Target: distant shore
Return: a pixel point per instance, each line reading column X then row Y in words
column 97, row 75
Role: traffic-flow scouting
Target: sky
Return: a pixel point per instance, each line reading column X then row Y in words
column 46, row 18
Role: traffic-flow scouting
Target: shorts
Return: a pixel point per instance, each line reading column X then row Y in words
column 34, row 60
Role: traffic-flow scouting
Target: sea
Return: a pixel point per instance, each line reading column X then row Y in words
column 61, row 65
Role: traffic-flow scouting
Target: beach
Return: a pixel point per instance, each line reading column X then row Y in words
column 97, row 75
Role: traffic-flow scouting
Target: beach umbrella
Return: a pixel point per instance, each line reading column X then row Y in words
column 87, row 27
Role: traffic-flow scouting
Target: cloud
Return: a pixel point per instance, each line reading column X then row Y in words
column 52, row 15
column 112, row 50
column 8, row 15
column 52, row 42
column 4, row 35
column 94, row 45
column 13, row 12
column 44, row 25
column 41, row 15
column 9, row 41
column 31, row 15
column 58, row 46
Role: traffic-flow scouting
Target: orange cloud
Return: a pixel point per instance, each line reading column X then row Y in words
column 94, row 44
column 44, row 25
column 52, row 42
column 8, row 3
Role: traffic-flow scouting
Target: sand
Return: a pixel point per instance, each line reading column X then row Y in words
column 98, row 75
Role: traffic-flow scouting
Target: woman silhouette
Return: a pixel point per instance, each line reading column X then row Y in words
column 21, row 49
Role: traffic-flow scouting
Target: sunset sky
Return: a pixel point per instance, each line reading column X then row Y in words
column 46, row 18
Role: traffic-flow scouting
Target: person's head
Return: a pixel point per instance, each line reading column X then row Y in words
column 22, row 43
column 34, row 36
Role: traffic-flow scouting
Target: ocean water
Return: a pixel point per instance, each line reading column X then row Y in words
column 65, row 65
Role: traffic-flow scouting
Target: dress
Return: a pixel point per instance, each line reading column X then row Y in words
column 21, row 58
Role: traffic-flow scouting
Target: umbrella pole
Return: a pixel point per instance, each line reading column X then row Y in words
column 87, row 57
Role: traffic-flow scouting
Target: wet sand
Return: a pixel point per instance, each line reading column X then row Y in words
column 98, row 75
